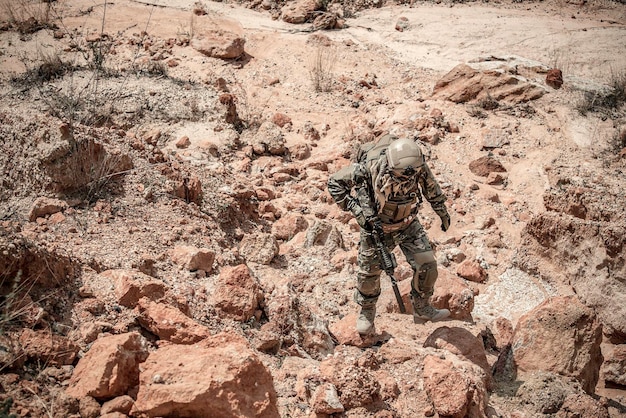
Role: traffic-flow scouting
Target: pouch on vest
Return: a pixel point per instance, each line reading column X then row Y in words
column 396, row 211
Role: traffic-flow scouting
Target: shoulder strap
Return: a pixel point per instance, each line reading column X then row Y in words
column 371, row 151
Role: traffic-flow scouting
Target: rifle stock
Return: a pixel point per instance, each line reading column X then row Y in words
column 389, row 264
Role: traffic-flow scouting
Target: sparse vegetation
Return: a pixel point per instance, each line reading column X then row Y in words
column 28, row 17
column 605, row 101
column 5, row 408
column 618, row 142
column 560, row 58
column 13, row 302
column 99, row 162
column 321, row 68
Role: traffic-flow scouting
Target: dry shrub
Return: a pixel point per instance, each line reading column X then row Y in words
column 86, row 168
column 27, row 16
column 50, row 67
column 605, row 101
column 321, row 68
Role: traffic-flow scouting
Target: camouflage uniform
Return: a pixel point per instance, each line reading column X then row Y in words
column 352, row 190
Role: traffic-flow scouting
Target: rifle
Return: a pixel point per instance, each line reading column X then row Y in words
column 387, row 262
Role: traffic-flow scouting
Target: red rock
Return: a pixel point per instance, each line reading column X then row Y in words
column 88, row 407
column 193, row 258
column 614, row 365
column 562, row 336
column 219, row 44
column 471, row 270
column 454, row 294
column 183, row 142
column 170, row 323
column 356, row 384
column 259, row 248
column 503, row 332
column 121, row 404
column 325, row 400
column 455, row 389
column 132, row 285
column 219, row 376
column 582, row 405
column 237, row 293
column 45, row 206
column 289, row 225
column 485, row 165
column 298, row 11
column 464, row 83
column 554, row 78
column 55, row 350
column 280, row 119
column 110, row 367
column 464, row 344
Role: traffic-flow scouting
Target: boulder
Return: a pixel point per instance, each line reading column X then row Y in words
column 464, row 83
column 455, row 387
column 49, row 348
column 299, row 11
column 132, row 285
column 219, row 44
column 325, row 400
column 259, row 248
column 170, row 323
column 582, row 405
column 289, row 225
column 554, row 78
column 355, row 382
column 472, row 270
column 562, row 336
column 237, row 293
column 614, row 366
column 44, row 206
column 297, row 323
column 121, row 404
column 110, row 367
column 555, row 236
column 453, row 293
column 464, row 344
column 192, row 258
column 219, row 376
column 486, row 165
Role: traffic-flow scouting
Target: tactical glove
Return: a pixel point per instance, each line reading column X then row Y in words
column 357, row 212
column 374, row 225
column 442, row 212
column 445, row 221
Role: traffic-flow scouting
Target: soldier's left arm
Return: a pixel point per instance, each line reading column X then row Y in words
column 435, row 196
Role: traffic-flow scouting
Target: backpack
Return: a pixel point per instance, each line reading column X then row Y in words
column 371, row 151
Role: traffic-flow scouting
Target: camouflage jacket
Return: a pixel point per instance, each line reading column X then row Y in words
column 351, row 188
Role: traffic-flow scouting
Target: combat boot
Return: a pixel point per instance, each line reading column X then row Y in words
column 422, row 311
column 365, row 321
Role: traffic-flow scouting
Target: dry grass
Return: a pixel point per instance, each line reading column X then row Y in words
column 560, row 58
column 321, row 68
column 608, row 101
column 27, row 16
column 14, row 301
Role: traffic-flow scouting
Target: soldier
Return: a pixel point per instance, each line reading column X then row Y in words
column 383, row 190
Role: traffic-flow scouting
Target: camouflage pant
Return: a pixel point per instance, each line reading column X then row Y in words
column 418, row 252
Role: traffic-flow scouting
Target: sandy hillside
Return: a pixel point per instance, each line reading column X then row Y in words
column 124, row 148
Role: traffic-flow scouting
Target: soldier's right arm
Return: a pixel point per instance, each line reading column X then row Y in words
column 340, row 186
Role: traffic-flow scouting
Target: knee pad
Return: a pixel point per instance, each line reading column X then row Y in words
column 427, row 276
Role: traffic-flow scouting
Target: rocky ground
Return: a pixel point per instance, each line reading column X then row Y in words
column 169, row 248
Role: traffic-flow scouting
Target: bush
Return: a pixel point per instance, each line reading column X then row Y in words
column 608, row 100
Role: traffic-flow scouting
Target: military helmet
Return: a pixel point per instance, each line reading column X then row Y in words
column 404, row 157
